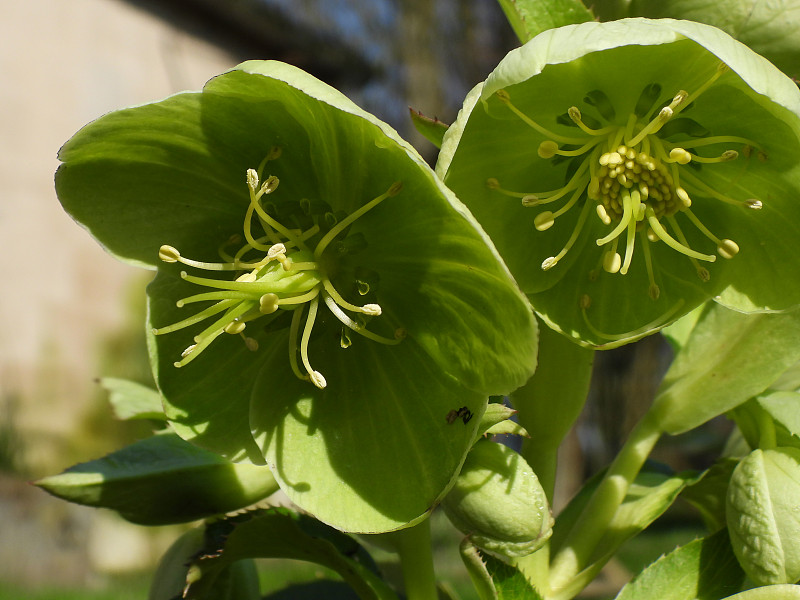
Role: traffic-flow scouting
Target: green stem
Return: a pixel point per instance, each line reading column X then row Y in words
column 551, row 401
column 576, row 551
column 416, row 560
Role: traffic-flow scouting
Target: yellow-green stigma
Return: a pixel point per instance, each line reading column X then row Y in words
column 635, row 182
column 281, row 268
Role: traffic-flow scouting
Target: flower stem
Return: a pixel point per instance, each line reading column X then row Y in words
column 581, row 542
column 416, row 560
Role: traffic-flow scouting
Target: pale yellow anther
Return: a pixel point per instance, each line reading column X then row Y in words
column 275, row 251
column 269, row 185
column 729, row 155
column 548, row 149
column 188, row 350
column 654, row 291
column 373, row 310
column 252, row 180
column 753, row 203
column 268, row 303
column 728, row 248
column 683, row 196
column 544, row 220
column 168, row 254
column 603, row 214
column 549, row 262
column 529, row 200
column 574, row 113
column 235, row 327
column 612, row 262
column 680, row 156
column 317, row 379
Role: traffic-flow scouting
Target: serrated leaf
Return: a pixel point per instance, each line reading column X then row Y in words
column 705, row 569
column 131, row 400
column 162, row 479
column 281, row 533
column 509, row 582
column 431, row 128
column 528, row 18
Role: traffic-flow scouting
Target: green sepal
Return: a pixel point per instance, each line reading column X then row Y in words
column 162, row 480
column 769, row 419
column 528, row 18
column 728, row 358
column 432, row 129
column 281, row 533
column 704, row 569
column 131, row 400
column 770, row 28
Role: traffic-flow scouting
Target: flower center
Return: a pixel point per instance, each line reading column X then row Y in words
column 282, row 268
column 634, row 178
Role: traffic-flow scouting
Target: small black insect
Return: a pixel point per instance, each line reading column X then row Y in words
column 464, row 413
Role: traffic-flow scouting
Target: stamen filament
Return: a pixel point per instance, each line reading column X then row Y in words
column 314, row 376
column 504, row 97
column 653, row 290
column 294, row 330
column 347, row 221
column 552, row 261
column 636, row 333
column 367, row 309
column 201, row 316
column 360, row 329
column 627, row 215
column 706, row 189
column 665, row 237
column 575, row 114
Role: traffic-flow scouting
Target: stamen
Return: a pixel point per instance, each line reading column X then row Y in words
column 662, row 234
column 504, row 97
column 706, row 189
column 636, row 333
column 367, row 309
column 726, row 156
column 201, row 316
column 358, row 328
column 393, row 190
column 575, row 114
column 294, row 330
column 314, row 376
column 552, row 261
column 725, row 248
column 721, row 69
column 653, row 290
column 664, row 115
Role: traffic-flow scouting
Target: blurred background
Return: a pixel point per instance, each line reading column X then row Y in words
column 69, row 313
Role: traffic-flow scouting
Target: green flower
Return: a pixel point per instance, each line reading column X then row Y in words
column 629, row 171
column 322, row 301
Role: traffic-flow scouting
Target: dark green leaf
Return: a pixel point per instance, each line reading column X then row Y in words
column 162, row 480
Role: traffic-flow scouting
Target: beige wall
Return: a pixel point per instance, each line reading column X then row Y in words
column 62, row 64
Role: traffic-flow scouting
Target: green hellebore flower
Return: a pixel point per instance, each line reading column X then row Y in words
column 348, row 301
column 629, row 171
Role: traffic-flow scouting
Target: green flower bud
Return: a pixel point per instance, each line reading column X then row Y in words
column 762, row 514
column 497, row 501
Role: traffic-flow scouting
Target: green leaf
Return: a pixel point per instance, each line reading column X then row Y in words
column 769, row 28
column 431, row 128
column 162, row 480
column 493, row 158
column 651, row 494
column 131, row 400
column 495, row 579
column 377, row 435
column 769, row 419
column 528, row 18
column 705, row 569
column 728, row 358
column 497, row 421
column 280, row 533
